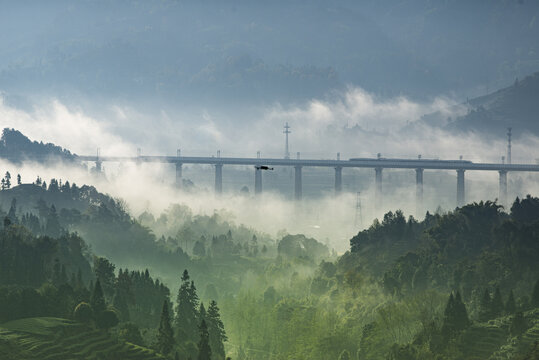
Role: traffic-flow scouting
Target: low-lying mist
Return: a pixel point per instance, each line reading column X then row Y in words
column 356, row 124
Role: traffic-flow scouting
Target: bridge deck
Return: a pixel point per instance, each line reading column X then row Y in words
column 355, row 163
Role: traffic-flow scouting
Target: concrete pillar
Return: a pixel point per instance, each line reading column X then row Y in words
column 419, row 192
column 338, row 180
column 297, row 183
column 218, row 178
column 503, row 188
column 178, row 174
column 378, row 188
column 98, row 166
column 258, row 180
column 461, row 198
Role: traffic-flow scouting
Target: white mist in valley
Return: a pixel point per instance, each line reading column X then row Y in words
column 356, row 124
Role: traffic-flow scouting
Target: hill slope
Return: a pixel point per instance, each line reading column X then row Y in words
column 516, row 106
column 54, row 338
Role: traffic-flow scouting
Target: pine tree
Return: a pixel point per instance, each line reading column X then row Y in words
column 120, row 303
column 8, row 180
column 461, row 315
column 455, row 316
column 165, row 335
column 186, row 310
column 497, row 303
column 80, row 281
column 510, row 305
column 122, row 294
column 535, row 295
column 216, row 330
column 19, row 181
column 12, row 214
column 56, row 268
column 98, row 300
column 204, row 349
column 485, row 307
column 63, row 275
column 202, row 312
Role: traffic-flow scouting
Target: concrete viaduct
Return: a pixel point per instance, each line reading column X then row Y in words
column 378, row 164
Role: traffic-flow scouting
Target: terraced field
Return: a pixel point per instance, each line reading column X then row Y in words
column 60, row 339
column 493, row 340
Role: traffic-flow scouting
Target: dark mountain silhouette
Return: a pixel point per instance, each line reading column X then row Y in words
column 516, row 106
column 16, row 147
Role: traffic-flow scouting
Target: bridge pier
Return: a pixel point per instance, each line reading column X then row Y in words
column 179, row 175
column 461, row 198
column 419, row 192
column 218, row 178
column 297, row 183
column 378, row 188
column 98, row 167
column 338, row 180
column 258, row 180
column 503, row 188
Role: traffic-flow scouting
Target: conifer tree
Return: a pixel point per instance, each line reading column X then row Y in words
column 202, row 312
column 204, row 349
column 510, row 305
column 56, row 268
column 186, row 310
column 461, row 315
column 63, row 275
column 216, row 330
column 455, row 316
column 497, row 304
column 12, row 214
column 165, row 335
column 120, row 303
column 80, row 281
column 19, row 181
column 485, row 306
column 97, row 301
column 8, row 180
column 535, row 295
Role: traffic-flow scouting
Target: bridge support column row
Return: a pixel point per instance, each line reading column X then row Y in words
column 503, row 188
column 218, row 178
column 378, row 188
column 419, row 192
column 338, row 180
column 297, row 183
column 258, row 180
column 461, row 198
column 178, row 175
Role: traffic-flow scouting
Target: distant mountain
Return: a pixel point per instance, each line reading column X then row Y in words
column 249, row 52
column 16, row 147
column 516, row 106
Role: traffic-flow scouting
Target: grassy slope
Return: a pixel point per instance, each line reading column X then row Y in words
column 54, row 338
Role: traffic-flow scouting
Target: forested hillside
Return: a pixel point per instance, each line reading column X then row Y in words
column 513, row 106
column 460, row 285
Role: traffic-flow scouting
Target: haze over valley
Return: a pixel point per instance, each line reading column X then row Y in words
column 282, row 180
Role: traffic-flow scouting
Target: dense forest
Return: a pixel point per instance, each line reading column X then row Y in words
column 456, row 285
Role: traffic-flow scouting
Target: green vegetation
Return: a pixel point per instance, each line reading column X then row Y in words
column 461, row 285
column 53, row 338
